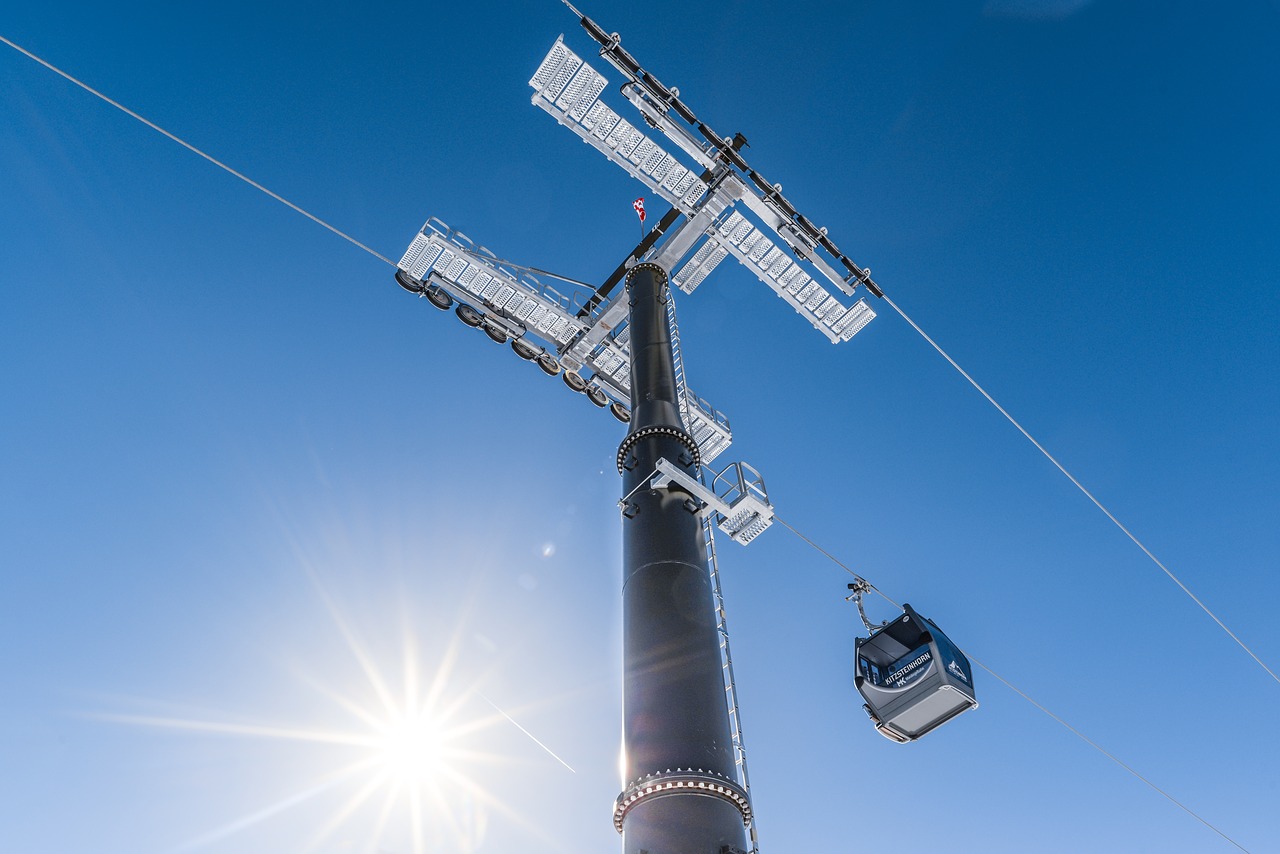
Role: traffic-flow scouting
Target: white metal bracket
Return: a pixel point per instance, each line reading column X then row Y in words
column 736, row 495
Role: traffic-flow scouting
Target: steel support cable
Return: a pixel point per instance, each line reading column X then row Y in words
column 1086, row 492
column 541, row 272
column 255, row 184
column 193, row 149
column 534, row 270
column 1077, row 733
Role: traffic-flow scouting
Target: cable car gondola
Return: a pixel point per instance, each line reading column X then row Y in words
column 912, row 676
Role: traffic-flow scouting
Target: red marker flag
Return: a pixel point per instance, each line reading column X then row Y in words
column 638, row 204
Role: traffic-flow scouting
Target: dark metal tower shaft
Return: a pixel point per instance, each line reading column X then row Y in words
column 681, row 793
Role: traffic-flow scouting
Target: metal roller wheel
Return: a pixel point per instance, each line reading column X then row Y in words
column 495, row 332
column 525, row 351
column 597, row 396
column 574, row 381
column 409, row 283
column 469, row 315
column 620, row 412
column 439, row 297
column 548, row 364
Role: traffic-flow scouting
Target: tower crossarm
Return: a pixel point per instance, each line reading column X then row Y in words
column 511, row 302
column 662, row 108
column 569, row 90
column 472, row 274
column 733, row 234
column 710, row 187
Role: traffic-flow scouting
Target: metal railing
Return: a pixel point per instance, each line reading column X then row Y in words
column 726, row 664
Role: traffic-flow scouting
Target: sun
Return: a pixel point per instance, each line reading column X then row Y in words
column 407, row 753
column 411, row 748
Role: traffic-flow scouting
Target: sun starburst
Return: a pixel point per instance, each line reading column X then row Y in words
column 411, row 753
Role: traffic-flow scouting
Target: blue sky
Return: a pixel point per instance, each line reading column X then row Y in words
column 223, row 425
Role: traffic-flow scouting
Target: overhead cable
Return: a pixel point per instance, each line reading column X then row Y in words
column 192, row 148
column 864, row 583
column 1086, row 492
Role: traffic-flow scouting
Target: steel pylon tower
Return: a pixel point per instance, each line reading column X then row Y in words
column 685, row 788
column 682, row 793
